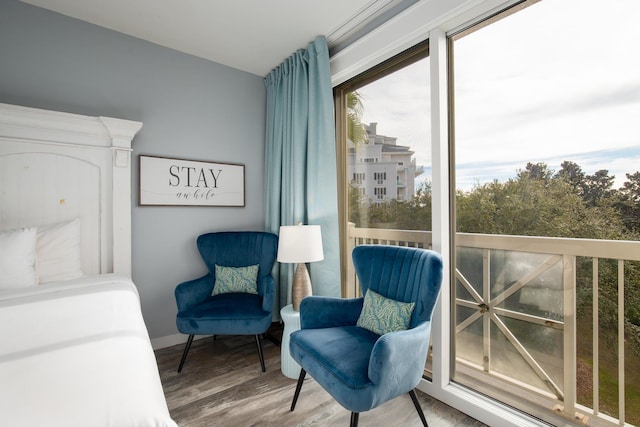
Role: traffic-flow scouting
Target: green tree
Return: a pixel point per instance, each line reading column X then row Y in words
column 598, row 188
column 356, row 131
column 357, row 207
column 416, row 213
column 536, row 203
column 538, row 171
column 385, row 215
column 572, row 174
column 629, row 204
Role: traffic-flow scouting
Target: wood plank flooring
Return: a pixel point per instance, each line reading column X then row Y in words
column 221, row 384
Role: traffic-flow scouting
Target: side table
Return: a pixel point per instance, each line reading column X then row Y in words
column 291, row 319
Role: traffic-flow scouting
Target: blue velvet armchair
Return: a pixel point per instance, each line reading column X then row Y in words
column 358, row 367
column 201, row 313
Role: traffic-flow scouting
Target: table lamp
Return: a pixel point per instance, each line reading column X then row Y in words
column 300, row 244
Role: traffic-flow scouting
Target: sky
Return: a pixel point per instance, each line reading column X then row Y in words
column 559, row 80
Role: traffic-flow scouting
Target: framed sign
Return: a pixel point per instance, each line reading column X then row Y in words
column 180, row 182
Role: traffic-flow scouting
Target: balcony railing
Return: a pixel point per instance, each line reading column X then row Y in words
column 517, row 331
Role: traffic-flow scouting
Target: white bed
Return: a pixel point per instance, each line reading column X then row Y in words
column 74, row 352
column 77, row 353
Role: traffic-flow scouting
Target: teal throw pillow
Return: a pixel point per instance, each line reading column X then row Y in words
column 381, row 315
column 236, row 280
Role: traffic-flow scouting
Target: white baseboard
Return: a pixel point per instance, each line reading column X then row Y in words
column 171, row 340
column 168, row 341
column 176, row 339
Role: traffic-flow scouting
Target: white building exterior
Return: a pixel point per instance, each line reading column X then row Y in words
column 381, row 169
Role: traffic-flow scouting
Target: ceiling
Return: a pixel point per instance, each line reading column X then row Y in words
column 250, row 35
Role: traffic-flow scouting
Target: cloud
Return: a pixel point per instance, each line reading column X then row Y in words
column 618, row 162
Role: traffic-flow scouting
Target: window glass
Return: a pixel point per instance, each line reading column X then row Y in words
column 388, row 151
column 546, row 121
column 383, row 118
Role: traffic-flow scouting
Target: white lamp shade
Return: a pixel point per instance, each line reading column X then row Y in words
column 300, row 244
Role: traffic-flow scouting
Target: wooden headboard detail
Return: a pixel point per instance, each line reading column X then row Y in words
column 58, row 166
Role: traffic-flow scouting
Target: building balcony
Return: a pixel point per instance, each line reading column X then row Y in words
column 532, row 328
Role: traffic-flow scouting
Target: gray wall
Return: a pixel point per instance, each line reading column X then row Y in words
column 191, row 108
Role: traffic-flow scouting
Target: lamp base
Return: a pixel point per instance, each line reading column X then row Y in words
column 301, row 285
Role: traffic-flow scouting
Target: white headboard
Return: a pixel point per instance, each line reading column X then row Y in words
column 58, row 166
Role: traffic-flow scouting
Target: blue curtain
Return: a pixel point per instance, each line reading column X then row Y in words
column 300, row 161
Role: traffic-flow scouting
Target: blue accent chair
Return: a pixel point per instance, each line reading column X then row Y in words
column 360, row 368
column 200, row 313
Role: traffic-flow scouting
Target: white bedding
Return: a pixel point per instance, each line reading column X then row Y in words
column 77, row 353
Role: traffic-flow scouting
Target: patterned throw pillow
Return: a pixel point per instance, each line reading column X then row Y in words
column 236, row 280
column 382, row 315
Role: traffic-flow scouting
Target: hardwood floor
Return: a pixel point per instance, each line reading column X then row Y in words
column 221, row 384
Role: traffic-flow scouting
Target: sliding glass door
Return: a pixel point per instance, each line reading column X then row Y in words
column 546, row 292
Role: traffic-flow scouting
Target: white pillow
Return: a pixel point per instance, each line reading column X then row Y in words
column 58, row 252
column 18, row 258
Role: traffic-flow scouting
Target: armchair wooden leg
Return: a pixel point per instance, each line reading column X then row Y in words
column 354, row 419
column 303, row 373
column 259, row 343
column 184, row 354
column 414, row 398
